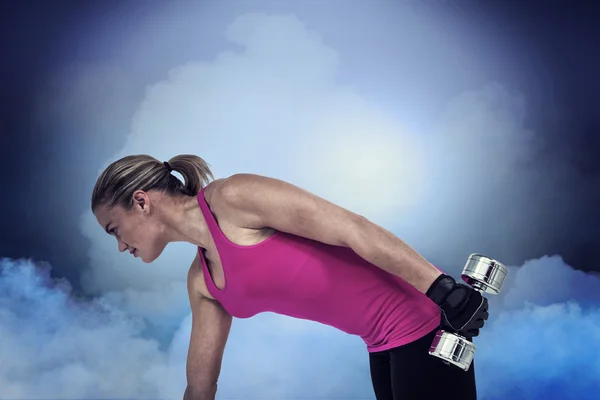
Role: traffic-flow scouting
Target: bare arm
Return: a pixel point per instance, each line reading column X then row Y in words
column 210, row 329
column 259, row 201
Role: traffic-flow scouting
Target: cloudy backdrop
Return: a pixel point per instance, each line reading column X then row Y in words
column 425, row 119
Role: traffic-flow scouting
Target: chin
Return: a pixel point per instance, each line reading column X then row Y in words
column 148, row 258
column 151, row 253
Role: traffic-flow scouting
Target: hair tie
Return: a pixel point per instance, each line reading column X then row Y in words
column 168, row 166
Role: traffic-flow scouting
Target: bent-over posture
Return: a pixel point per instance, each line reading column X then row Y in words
column 267, row 245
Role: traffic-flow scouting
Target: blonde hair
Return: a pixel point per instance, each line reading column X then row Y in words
column 117, row 183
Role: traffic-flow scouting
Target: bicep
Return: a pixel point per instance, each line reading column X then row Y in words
column 210, row 329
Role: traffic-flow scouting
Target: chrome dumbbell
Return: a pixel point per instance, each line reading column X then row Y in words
column 485, row 275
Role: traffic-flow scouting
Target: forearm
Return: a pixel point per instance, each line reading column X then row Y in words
column 390, row 253
column 199, row 394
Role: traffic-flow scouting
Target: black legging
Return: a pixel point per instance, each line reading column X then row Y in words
column 409, row 372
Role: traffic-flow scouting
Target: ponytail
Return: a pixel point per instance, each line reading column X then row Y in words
column 195, row 171
column 123, row 177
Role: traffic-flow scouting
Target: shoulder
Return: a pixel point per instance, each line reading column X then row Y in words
column 224, row 192
column 241, row 197
column 238, row 185
column 241, row 188
column 196, row 285
column 195, row 280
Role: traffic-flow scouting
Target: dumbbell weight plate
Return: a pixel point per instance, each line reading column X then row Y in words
column 453, row 349
column 484, row 273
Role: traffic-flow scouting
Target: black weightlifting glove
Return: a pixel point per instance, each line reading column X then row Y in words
column 464, row 309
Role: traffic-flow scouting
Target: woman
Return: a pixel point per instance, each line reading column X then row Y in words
column 266, row 245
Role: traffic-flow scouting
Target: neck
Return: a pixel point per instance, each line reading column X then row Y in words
column 185, row 222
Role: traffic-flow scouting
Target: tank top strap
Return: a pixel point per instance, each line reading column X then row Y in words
column 215, row 231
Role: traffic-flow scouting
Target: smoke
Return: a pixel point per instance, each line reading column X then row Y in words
column 52, row 345
column 541, row 345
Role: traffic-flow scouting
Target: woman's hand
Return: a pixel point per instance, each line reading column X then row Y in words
column 464, row 309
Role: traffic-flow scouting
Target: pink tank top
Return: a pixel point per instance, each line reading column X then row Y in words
column 302, row 278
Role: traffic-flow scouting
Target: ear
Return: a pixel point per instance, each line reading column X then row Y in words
column 141, row 201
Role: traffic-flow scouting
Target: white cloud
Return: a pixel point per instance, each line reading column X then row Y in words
column 53, row 345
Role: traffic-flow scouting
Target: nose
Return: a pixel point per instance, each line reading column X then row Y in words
column 122, row 246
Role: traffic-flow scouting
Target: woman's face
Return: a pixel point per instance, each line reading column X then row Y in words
column 136, row 230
